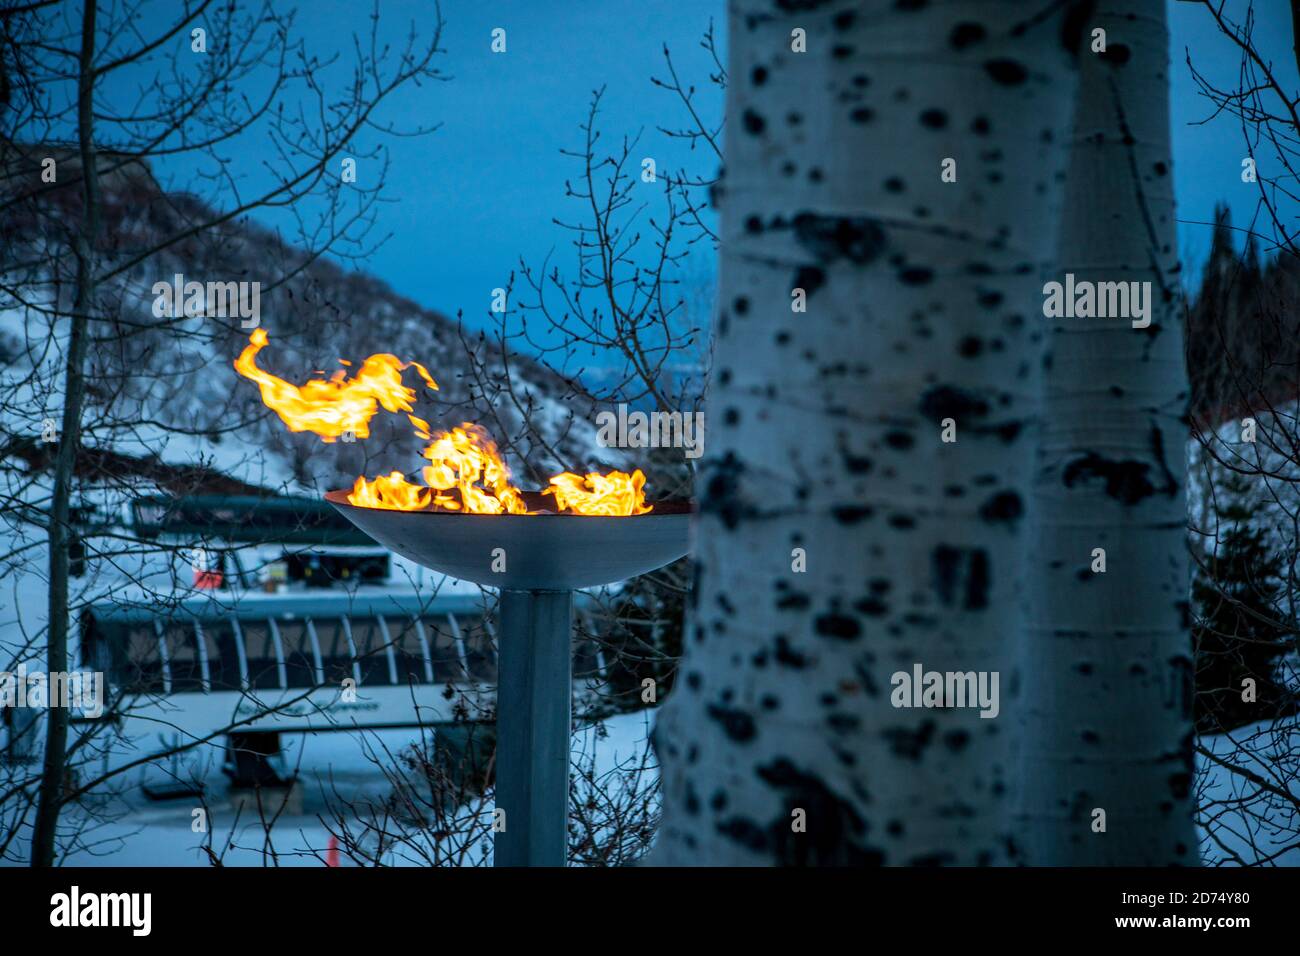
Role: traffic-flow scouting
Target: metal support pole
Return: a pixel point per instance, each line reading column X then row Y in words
column 534, row 672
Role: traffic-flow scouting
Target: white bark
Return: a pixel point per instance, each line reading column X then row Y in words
column 924, row 304
column 1108, row 690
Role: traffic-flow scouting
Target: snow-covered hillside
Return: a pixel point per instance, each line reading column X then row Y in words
column 165, row 387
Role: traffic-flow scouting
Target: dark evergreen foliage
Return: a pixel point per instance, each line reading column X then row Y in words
column 1240, row 632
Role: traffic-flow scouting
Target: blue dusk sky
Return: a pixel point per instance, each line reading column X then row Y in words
column 468, row 201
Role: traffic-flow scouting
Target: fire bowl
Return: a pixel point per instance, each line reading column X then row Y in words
column 544, row 552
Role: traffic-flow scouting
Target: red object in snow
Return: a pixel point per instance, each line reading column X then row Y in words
column 332, row 854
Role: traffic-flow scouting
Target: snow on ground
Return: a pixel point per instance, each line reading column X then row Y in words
column 330, row 764
column 1249, row 824
column 160, row 834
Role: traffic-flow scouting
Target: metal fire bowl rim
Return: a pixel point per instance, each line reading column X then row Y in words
column 545, row 552
column 534, row 499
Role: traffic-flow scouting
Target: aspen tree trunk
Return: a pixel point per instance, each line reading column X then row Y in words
column 50, row 796
column 780, row 744
column 1108, row 669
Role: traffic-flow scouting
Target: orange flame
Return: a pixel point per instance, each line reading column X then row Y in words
column 392, row 492
column 331, row 408
column 616, row 494
column 464, row 460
